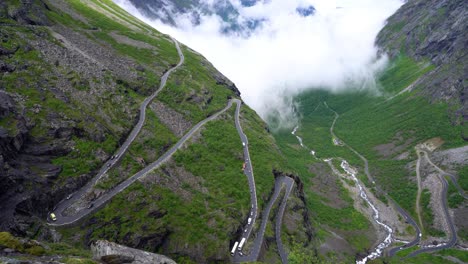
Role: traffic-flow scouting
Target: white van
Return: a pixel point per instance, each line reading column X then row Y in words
column 53, row 217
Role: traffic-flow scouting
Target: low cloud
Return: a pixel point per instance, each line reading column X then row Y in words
column 289, row 52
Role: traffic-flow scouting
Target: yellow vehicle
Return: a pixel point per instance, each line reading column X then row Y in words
column 53, row 217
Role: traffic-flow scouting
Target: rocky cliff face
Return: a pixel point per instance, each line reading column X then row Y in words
column 112, row 253
column 434, row 31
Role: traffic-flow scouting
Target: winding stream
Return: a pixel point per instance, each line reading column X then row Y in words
column 377, row 252
column 312, row 152
column 298, row 137
column 388, row 239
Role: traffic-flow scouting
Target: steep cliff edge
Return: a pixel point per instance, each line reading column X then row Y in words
column 434, row 31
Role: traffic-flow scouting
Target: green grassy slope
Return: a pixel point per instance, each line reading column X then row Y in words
column 190, row 209
column 197, row 216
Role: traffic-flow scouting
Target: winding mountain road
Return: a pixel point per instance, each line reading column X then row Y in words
column 289, row 182
column 258, row 242
column 67, row 220
column 453, row 233
column 400, row 210
column 452, row 177
column 64, row 204
column 63, row 220
column 239, row 256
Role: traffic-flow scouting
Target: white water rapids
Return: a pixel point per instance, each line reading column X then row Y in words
column 388, row 239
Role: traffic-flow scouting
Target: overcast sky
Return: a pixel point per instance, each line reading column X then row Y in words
column 290, row 52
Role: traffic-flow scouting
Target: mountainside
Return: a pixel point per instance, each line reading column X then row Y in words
column 401, row 151
column 63, row 75
column 127, row 135
column 434, row 31
column 74, row 77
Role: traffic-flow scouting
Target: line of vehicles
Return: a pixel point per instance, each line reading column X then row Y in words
column 112, row 158
column 238, row 245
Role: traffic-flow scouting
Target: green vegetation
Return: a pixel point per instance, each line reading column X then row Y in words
column 298, row 255
column 463, row 233
column 265, row 155
column 100, row 106
column 463, row 177
column 346, row 219
column 428, row 215
column 102, row 22
column 367, row 121
column 343, row 218
column 193, row 90
column 68, row 250
column 453, row 196
column 438, row 257
column 83, row 159
column 153, row 141
column 9, row 241
column 210, row 198
column 401, row 73
column 31, row 247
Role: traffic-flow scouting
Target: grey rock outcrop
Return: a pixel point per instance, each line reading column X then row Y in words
column 112, row 253
column 28, row 13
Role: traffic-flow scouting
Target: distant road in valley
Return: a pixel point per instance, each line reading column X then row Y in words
column 453, row 233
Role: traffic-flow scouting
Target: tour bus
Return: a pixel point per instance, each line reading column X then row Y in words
column 241, row 244
column 234, row 248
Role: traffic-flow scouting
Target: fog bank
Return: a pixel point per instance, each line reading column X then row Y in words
column 289, row 52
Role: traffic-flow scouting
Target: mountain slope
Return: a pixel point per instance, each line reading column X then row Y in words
column 73, row 76
column 434, row 31
column 419, row 109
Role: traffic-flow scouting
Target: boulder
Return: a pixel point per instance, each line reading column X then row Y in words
column 112, row 253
